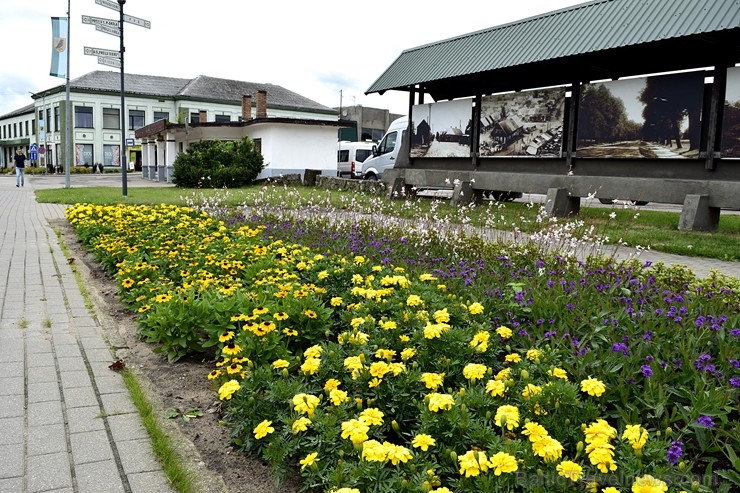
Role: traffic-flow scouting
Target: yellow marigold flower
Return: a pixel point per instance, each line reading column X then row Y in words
column 513, row 358
column 480, row 341
column 228, row 389
column 214, row 374
column 226, row 336
column 508, row 416
column 534, row 355
column 309, row 459
column 263, row 429
column 610, row 489
column 569, row 469
column 475, row 308
column 311, row 366
column 375, row 382
column 337, row 396
column 504, row 332
column 355, row 430
column 423, row 441
column 593, row 387
column 599, row 431
column 441, row 316
column 310, row 313
column 323, row 275
column 440, row 401
column 404, row 338
column 281, row 316
column 313, row 352
column 472, row 463
column 397, row 454
column 502, row 462
column 504, row 374
column 280, row 363
column 474, row 371
column 336, row 301
column 345, row 490
column 231, row 349
column 378, row 369
column 372, row 416
column 534, row 431
column 300, row 424
column 356, row 322
column 636, row 435
column 548, row 448
column 332, row 384
column 432, row 380
column 427, row 277
column 387, row 354
column 373, row 451
column 558, row 373
column 530, row 390
column 388, row 325
column 353, row 363
column 414, row 300
column 305, row 403
column 649, row 484
column 359, row 259
column 408, row 353
column 496, row 387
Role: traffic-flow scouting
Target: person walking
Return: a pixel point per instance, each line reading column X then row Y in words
column 20, row 168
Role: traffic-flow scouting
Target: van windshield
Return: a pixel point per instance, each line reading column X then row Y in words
column 389, row 143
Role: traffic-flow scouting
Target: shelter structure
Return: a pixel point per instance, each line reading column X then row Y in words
column 666, row 141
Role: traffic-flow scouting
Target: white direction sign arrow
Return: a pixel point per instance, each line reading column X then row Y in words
column 99, row 21
column 102, row 52
column 136, row 21
column 108, row 30
column 111, row 62
column 109, row 4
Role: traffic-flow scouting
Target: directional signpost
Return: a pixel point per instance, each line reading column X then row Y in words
column 113, row 58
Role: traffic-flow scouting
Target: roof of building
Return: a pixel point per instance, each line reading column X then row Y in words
column 20, row 111
column 592, row 40
column 201, row 88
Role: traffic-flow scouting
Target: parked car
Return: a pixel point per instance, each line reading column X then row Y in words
column 350, row 156
column 385, row 153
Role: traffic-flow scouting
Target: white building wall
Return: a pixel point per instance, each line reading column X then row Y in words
column 294, row 148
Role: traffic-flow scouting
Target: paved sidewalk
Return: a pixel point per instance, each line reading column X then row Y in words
column 67, row 423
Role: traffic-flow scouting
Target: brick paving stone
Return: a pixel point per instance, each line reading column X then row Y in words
column 99, row 477
column 90, row 446
column 48, row 472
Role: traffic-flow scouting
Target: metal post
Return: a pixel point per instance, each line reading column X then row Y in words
column 68, row 112
column 124, row 158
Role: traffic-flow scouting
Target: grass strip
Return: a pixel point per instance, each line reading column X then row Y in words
column 166, row 453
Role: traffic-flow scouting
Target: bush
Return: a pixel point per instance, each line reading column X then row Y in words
column 218, row 164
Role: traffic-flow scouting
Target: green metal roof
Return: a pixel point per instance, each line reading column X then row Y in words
column 582, row 35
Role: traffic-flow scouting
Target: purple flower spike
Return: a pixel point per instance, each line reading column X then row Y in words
column 675, row 451
column 705, row 421
column 647, row 371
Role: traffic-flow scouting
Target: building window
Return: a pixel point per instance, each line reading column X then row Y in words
column 15, row 130
column 84, row 155
column 83, row 117
column 111, row 118
column 56, row 119
column 194, row 118
column 135, row 119
column 49, row 157
column 33, row 127
column 257, row 145
column 112, row 155
column 223, row 118
column 161, row 115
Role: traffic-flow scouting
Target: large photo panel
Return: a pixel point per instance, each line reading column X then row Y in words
column 731, row 118
column 648, row 117
column 522, row 124
column 441, row 129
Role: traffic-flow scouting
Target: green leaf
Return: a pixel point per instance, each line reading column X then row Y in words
column 171, row 413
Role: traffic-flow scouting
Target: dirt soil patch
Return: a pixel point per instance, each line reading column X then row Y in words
column 173, row 388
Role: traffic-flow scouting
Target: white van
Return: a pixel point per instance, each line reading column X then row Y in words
column 350, row 156
column 385, row 153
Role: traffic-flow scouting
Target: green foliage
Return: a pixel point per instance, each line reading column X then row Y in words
column 218, row 164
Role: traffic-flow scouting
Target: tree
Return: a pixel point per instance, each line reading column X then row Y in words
column 668, row 100
column 601, row 115
column 218, row 164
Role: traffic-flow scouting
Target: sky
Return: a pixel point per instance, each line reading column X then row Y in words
column 328, row 51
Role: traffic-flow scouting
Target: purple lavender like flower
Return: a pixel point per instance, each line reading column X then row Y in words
column 647, row 371
column 735, row 332
column 735, row 382
column 620, row 347
column 675, row 451
column 705, row 421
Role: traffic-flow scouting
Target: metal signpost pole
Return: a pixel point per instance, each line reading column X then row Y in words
column 123, row 153
column 68, row 112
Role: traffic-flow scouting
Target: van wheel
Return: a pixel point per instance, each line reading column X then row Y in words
column 371, row 176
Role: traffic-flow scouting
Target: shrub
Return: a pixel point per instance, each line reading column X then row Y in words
column 218, row 164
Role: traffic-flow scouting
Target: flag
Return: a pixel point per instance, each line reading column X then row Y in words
column 59, row 50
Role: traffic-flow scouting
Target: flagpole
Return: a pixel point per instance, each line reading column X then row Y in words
column 68, row 113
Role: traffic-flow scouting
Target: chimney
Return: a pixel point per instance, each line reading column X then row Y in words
column 261, row 103
column 202, row 116
column 246, row 107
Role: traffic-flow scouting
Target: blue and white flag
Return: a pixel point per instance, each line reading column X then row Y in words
column 59, row 47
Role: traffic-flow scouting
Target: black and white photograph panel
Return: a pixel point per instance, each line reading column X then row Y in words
column 646, row 117
column 522, row 124
column 441, row 129
column 731, row 116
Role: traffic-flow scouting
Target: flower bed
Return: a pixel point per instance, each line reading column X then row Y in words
column 371, row 360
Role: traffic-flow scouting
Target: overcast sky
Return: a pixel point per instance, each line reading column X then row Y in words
column 315, row 49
